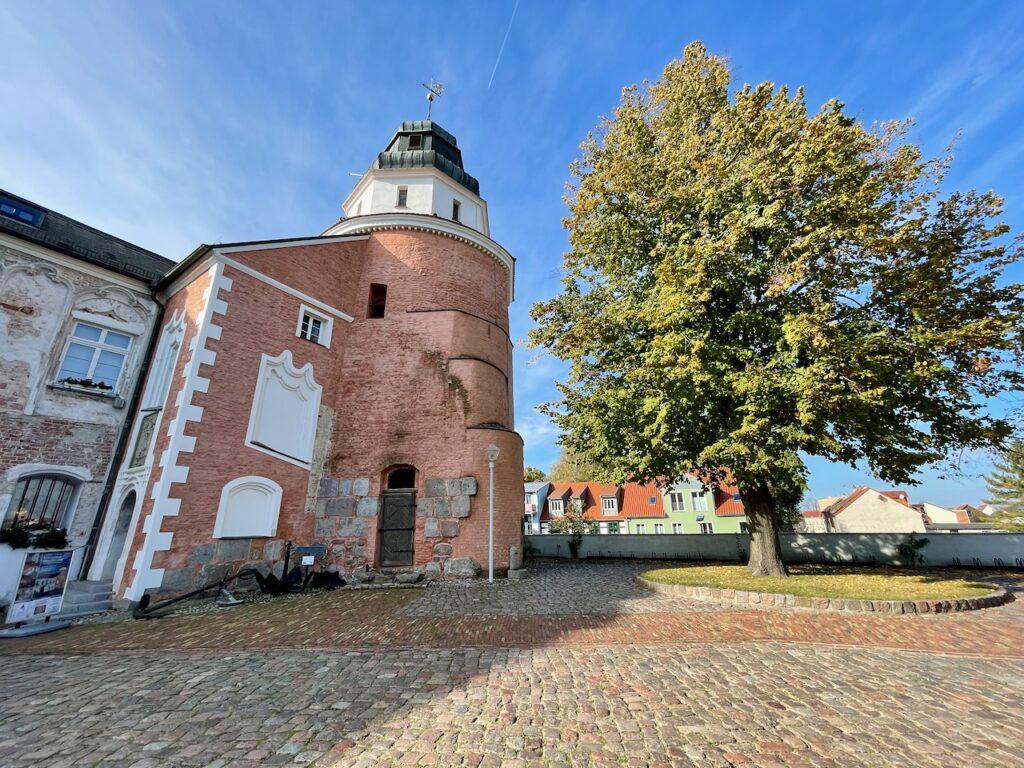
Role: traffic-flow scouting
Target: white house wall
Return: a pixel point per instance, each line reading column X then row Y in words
column 874, row 513
column 55, row 430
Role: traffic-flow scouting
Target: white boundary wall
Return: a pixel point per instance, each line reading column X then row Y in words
column 977, row 550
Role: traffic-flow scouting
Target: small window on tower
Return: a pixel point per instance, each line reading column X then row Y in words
column 415, row 141
column 403, row 197
column 378, row 298
column 455, row 210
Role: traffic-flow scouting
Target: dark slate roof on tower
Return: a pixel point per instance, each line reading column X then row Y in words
column 425, row 144
column 33, row 222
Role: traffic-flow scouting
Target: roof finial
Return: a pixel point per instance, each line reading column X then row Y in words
column 434, row 91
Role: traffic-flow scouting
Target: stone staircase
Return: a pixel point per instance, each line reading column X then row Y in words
column 86, row 597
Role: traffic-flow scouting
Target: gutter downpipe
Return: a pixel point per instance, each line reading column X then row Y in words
column 122, row 444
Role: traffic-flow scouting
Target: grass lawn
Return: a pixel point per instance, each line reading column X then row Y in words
column 853, row 582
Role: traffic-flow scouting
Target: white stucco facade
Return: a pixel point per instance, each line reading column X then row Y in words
column 52, row 427
column 428, row 192
column 873, row 512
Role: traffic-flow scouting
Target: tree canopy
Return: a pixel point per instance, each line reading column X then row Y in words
column 749, row 282
column 1006, row 484
column 533, row 475
column 570, row 468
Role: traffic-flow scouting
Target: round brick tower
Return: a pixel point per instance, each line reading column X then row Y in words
column 427, row 375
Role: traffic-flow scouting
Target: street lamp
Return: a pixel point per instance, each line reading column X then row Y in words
column 492, row 456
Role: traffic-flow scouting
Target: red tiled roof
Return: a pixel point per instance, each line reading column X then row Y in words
column 900, row 496
column 811, row 513
column 633, row 499
column 725, row 504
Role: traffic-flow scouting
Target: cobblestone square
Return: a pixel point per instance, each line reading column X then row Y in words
column 575, row 666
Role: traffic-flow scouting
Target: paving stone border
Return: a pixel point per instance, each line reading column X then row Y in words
column 775, row 600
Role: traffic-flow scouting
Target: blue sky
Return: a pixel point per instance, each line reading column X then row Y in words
column 172, row 124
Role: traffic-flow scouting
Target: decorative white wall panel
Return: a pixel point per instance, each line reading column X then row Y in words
column 285, row 408
column 249, row 507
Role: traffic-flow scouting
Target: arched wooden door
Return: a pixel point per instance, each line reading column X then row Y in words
column 398, row 518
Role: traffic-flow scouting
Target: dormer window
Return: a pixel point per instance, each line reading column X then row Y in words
column 415, row 141
column 403, row 197
column 609, row 505
column 455, row 210
column 557, row 508
column 20, row 212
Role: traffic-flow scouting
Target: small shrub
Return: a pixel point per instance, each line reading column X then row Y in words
column 15, row 538
column 910, row 550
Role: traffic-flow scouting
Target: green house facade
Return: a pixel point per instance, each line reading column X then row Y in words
column 689, row 508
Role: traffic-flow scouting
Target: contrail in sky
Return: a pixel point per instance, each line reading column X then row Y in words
column 502, row 49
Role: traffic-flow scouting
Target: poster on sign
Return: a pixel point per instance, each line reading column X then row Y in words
column 44, row 575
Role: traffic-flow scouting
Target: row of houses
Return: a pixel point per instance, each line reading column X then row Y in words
column 688, row 507
column 866, row 510
column 632, row 508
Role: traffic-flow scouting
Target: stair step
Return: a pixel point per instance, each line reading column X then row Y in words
column 77, row 598
column 90, row 587
column 84, row 609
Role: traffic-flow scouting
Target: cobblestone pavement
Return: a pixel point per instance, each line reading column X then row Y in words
column 553, row 588
column 701, row 705
column 576, row 666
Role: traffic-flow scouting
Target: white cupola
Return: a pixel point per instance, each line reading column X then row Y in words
column 420, row 172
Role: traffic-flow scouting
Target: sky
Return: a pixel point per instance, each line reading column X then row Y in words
column 172, row 124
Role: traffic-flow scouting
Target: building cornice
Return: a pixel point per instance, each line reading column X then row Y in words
column 418, row 222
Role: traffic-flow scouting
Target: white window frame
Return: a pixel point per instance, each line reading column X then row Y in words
column 659, row 527
column 707, row 527
column 97, row 347
column 556, row 507
column 699, row 500
column 609, row 505
column 677, row 528
column 326, row 325
column 602, row 528
column 675, row 496
column 639, row 528
column 544, row 529
column 73, row 482
column 398, row 197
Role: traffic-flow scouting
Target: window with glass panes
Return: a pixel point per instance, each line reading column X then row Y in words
column 640, row 528
column 94, row 357
column 311, row 327
column 677, row 502
column 677, row 527
column 659, row 527
column 609, row 505
column 40, row 500
column 700, row 501
column 555, row 507
column 707, row 528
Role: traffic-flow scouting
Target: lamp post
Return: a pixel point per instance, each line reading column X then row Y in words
column 492, row 456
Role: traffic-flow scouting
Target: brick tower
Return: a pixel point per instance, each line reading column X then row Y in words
column 341, row 389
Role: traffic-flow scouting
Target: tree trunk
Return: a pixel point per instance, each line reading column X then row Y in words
column 765, row 553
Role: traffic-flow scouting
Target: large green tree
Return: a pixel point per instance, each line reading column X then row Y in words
column 1006, row 483
column 570, row 468
column 533, row 475
column 750, row 282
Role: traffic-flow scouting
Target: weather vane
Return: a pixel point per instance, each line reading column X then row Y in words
column 434, row 91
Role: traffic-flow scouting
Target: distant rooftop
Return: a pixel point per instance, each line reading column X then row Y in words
column 37, row 224
column 425, row 144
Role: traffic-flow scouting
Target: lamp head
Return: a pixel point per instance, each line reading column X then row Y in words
column 492, row 453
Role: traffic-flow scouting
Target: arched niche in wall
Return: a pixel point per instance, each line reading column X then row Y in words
column 285, row 409
column 249, row 507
